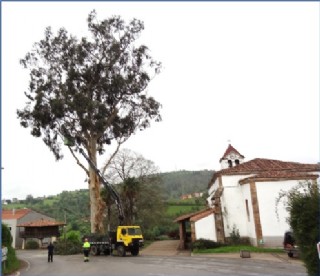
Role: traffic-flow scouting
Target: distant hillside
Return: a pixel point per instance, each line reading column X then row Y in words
column 178, row 183
column 73, row 206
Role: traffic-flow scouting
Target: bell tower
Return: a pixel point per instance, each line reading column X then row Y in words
column 231, row 158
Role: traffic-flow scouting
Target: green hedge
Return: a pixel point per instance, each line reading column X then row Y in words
column 32, row 244
column 12, row 263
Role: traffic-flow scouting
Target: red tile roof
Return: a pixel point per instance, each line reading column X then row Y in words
column 201, row 215
column 229, row 150
column 15, row 213
column 196, row 215
column 41, row 223
column 268, row 168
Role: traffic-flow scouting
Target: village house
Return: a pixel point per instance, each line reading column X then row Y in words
column 243, row 197
column 27, row 224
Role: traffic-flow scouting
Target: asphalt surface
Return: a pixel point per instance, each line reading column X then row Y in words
column 159, row 259
column 170, row 248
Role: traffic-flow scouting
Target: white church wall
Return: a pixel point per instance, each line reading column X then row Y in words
column 233, row 207
column 247, row 202
column 205, row 228
column 273, row 225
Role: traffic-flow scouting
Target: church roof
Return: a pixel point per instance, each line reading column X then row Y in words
column 195, row 215
column 270, row 169
column 228, row 151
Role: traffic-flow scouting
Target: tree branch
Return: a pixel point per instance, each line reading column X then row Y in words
column 78, row 161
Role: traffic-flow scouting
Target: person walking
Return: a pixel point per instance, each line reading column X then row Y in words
column 86, row 249
column 50, row 252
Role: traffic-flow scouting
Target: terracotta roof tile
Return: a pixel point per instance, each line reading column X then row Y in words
column 229, row 150
column 14, row 213
column 204, row 214
column 41, row 223
column 268, row 168
column 194, row 214
column 278, row 176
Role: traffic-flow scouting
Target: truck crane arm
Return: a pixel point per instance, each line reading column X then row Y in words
column 107, row 185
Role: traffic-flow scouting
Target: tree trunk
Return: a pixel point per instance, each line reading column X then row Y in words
column 97, row 205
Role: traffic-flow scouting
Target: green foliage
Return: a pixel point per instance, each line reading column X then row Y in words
column 73, row 236
column 178, row 183
column 204, row 244
column 6, row 236
column 303, row 206
column 150, row 211
column 234, row 238
column 12, row 263
column 32, row 244
column 152, row 234
column 68, row 247
column 73, row 92
column 180, row 209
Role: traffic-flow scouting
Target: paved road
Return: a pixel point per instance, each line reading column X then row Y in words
column 163, row 260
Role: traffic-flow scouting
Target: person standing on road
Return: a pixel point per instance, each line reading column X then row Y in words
column 86, row 250
column 50, row 252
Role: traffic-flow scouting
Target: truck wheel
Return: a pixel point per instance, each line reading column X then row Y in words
column 135, row 251
column 121, row 251
column 94, row 250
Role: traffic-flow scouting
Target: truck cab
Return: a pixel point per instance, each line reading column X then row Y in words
column 127, row 239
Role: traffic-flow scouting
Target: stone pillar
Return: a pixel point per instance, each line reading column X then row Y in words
column 24, row 243
column 256, row 214
column 182, row 234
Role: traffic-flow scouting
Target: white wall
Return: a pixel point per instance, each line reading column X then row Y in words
column 233, row 206
column 250, row 230
column 267, row 193
column 211, row 192
column 205, row 228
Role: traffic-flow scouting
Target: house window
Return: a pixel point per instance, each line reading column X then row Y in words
column 230, row 163
column 247, row 209
column 237, row 162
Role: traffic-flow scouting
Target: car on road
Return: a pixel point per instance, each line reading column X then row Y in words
column 289, row 245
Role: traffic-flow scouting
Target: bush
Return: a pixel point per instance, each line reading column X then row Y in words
column 304, row 221
column 303, row 207
column 12, row 263
column 173, row 234
column 32, row 244
column 67, row 247
column 204, row 244
column 6, row 236
column 74, row 236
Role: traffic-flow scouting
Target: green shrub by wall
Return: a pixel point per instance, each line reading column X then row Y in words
column 32, row 244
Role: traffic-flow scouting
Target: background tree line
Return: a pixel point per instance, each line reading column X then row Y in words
column 152, row 203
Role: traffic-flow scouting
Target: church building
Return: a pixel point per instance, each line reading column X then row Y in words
column 243, row 197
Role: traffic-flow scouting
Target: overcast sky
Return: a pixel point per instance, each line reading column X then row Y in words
column 243, row 72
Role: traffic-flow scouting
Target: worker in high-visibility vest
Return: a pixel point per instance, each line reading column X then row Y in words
column 86, row 249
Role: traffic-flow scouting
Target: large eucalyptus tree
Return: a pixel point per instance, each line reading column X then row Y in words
column 91, row 91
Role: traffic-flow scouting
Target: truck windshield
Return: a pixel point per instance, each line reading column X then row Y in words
column 134, row 231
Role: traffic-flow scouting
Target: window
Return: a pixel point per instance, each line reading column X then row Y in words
column 237, row 162
column 230, row 163
column 247, row 209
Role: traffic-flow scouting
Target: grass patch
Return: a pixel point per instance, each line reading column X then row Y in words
column 178, row 210
column 237, row 248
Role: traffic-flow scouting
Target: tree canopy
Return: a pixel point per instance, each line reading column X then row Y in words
column 302, row 203
column 90, row 91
